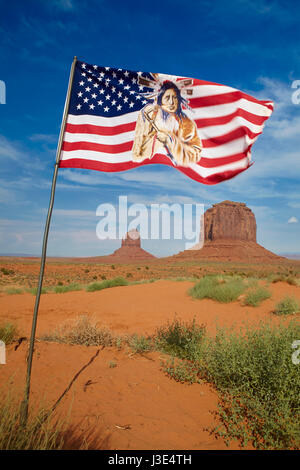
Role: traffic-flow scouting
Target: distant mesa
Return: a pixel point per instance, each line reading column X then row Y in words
column 229, row 235
column 131, row 249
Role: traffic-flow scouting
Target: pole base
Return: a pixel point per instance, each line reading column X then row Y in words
column 23, row 413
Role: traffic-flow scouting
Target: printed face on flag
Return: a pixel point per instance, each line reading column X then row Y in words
column 120, row 119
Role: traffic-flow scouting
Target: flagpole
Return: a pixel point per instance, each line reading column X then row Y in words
column 25, row 402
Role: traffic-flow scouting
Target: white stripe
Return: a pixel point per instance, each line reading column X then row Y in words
column 210, row 132
column 102, row 121
column 99, row 139
column 210, row 90
column 221, row 110
column 97, row 156
column 230, row 148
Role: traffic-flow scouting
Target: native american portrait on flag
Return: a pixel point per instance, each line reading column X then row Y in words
column 163, row 127
column 118, row 120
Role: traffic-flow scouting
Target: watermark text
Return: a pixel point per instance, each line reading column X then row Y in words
column 157, row 221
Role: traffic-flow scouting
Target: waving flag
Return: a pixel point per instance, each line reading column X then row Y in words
column 119, row 119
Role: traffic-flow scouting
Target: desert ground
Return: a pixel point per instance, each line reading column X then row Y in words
column 123, row 399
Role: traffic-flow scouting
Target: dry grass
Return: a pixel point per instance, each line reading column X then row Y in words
column 81, row 331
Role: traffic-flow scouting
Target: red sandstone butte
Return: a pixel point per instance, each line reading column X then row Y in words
column 229, row 235
column 130, row 249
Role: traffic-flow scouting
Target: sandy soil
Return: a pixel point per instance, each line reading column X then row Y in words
column 133, row 405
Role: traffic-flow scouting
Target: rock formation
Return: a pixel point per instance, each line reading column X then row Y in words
column 229, row 235
column 229, row 221
column 132, row 238
column 130, row 249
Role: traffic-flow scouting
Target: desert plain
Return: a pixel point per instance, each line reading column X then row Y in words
column 120, row 397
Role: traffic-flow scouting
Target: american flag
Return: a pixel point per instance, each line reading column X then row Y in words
column 104, row 107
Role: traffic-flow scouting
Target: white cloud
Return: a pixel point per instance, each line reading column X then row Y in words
column 71, row 213
column 8, row 150
column 64, row 4
column 46, row 138
column 293, row 220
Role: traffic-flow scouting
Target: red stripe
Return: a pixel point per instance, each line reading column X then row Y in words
column 109, row 167
column 224, row 98
column 118, row 148
column 230, row 136
column 215, row 162
column 218, row 121
column 100, row 130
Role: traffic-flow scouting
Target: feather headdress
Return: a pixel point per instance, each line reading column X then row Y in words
column 184, row 86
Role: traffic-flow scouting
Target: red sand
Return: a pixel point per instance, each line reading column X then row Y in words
column 133, row 405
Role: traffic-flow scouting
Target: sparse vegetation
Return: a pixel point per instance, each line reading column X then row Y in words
column 287, row 306
column 259, row 385
column 256, row 296
column 180, row 339
column 13, row 290
column 8, row 333
column 220, row 288
column 118, row 281
column 81, row 331
column 39, row 434
column 181, row 370
column 254, row 373
column 60, row 289
column 33, row 290
column 7, row 272
column 139, row 344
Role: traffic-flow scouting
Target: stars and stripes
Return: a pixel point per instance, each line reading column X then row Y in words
column 104, row 106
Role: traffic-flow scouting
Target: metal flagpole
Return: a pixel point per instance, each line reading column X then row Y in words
column 25, row 402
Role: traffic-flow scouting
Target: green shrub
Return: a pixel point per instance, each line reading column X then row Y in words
column 118, row 281
column 258, row 383
column 33, row 290
column 6, row 271
column 70, row 288
column 287, row 306
column 8, row 333
column 182, row 371
column 255, row 296
column 13, row 290
column 222, row 289
column 181, row 339
column 139, row 344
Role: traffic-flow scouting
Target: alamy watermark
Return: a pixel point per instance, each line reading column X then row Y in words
column 2, row 353
column 2, row 92
column 296, row 93
column 296, row 354
column 157, row 221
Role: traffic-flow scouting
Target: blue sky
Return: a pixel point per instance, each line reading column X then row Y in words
column 250, row 45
